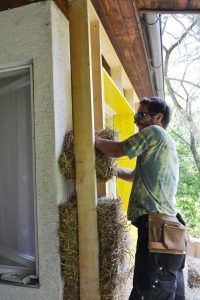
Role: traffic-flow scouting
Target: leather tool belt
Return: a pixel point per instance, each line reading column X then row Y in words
column 166, row 234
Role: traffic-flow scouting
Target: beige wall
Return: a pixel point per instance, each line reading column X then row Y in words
column 39, row 32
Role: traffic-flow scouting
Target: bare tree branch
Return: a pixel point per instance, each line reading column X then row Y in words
column 181, row 23
column 169, row 33
column 168, row 84
column 184, row 81
column 185, row 91
column 165, row 24
column 176, row 93
column 185, row 112
column 182, row 37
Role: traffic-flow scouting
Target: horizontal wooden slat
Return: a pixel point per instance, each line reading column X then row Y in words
column 140, row 4
column 166, row 6
column 180, row 4
column 151, row 4
column 194, row 4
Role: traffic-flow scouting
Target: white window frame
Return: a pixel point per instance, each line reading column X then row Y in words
column 25, row 259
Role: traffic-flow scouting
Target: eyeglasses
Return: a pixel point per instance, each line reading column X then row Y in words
column 140, row 115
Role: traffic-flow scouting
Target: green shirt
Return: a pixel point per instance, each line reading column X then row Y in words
column 156, row 175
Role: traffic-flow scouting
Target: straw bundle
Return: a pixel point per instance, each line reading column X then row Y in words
column 113, row 243
column 113, row 247
column 67, row 158
column 105, row 166
column 68, row 235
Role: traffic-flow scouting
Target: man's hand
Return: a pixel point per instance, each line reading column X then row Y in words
column 125, row 174
column 110, row 148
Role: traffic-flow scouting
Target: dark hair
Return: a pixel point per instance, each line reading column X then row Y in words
column 158, row 105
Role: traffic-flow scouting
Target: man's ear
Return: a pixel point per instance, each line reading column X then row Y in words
column 158, row 119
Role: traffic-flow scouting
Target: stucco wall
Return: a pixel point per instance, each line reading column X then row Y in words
column 39, row 32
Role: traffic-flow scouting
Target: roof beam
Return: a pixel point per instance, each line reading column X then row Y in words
column 165, row 6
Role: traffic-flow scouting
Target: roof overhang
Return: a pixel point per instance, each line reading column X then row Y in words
column 122, row 24
column 166, row 6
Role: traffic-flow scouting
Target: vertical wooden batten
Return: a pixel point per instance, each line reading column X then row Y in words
column 129, row 95
column 99, row 109
column 82, row 96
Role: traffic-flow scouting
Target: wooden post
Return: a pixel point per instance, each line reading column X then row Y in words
column 116, row 75
column 99, row 109
column 82, row 97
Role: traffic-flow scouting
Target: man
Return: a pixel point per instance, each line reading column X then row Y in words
column 155, row 179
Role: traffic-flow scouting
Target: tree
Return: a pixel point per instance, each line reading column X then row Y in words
column 188, row 194
column 182, row 79
column 183, row 55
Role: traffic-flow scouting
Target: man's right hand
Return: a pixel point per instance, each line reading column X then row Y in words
column 125, row 174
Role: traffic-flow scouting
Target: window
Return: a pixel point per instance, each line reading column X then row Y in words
column 18, row 251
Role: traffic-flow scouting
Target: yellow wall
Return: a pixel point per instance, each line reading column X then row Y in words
column 124, row 124
column 113, row 96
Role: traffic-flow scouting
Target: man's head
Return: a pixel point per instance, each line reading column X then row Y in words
column 152, row 111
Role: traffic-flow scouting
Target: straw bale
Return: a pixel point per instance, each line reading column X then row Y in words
column 193, row 272
column 107, row 134
column 67, row 157
column 67, row 231
column 113, row 248
column 105, row 166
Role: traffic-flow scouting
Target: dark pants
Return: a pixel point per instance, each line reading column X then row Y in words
column 157, row 276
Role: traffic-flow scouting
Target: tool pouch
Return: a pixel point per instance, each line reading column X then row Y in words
column 166, row 234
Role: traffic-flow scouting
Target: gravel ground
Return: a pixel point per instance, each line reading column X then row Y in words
column 193, row 276
column 193, row 294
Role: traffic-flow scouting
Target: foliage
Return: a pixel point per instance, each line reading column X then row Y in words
column 188, row 194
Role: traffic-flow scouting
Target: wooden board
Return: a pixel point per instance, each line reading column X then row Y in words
column 166, row 6
column 98, row 99
column 99, row 113
column 84, row 149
